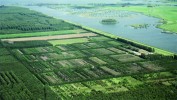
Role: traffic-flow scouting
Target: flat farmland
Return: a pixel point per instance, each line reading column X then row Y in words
column 126, row 58
column 49, row 37
column 35, row 34
column 82, row 64
column 68, row 41
column 67, row 91
column 82, row 59
column 42, row 58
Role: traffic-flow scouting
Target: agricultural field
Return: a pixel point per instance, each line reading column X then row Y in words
column 20, row 35
column 77, row 67
column 80, row 64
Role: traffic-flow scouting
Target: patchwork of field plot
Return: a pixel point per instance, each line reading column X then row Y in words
column 78, row 64
column 50, row 37
column 67, row 91
column 42, row 58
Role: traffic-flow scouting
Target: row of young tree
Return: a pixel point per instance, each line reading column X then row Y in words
column 145, row 92
column 29, row 21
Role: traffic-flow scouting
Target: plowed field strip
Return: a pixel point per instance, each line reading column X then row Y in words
column 50, row 37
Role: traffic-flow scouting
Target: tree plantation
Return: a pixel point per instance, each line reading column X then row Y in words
column 43, row 58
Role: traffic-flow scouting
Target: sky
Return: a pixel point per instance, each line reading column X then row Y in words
column 3, row 2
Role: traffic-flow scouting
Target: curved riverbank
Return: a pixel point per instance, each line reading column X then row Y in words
column 149, row 48
column 168, row 22
column 151, row 36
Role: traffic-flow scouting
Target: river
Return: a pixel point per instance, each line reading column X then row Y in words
column 151, row 36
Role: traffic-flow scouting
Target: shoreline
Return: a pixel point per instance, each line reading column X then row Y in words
column 148, row 14
column 156, row 50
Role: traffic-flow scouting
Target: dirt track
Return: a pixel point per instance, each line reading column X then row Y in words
column 50, row 37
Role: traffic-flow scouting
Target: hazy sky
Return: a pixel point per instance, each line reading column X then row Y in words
column 56, row 1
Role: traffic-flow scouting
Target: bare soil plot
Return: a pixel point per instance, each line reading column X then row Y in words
column 68, row 41
column 64, row 63
column 48, row 33
column 126, row 58
column 50, row 37
column 91, row 73
column 37, row 50
column 66, row 55
column 151, row 66
column 56, row 56
column 111, row 71
column 49, row 56
column 94, row 45
column 31, row 58
column 97, row 60
column 77, row 53
column 116, row 50
column 134, row 68
column 101, row 51
column 71, row 63
column 51, row 77
column 79, row 62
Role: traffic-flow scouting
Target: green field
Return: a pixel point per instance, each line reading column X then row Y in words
column 68, row 41
column 167, row 14
column 35, row 34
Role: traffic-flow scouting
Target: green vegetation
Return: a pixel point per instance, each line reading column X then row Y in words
column 146, row 92
column 83, row 7
column 17, row 20
column 167, row 14
column 136, row 26
column 26, row 44
column 7, row 59
column 19, row 35
column 4, row 51
column 109, row 21
column 99, row 67
column 8, row 79
column 68, row 41
column 163, row 52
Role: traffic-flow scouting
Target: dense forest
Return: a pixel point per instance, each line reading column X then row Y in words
column 19, row 20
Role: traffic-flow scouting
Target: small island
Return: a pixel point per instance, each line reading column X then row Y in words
column 136, row 26
column 109, row 21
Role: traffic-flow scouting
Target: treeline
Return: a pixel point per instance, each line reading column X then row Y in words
column 156, row 57
column 148, row 48
column 175, row 56
column 25, row 44
column 25, row 20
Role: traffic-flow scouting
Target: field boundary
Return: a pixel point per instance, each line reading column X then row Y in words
column 50, row 37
